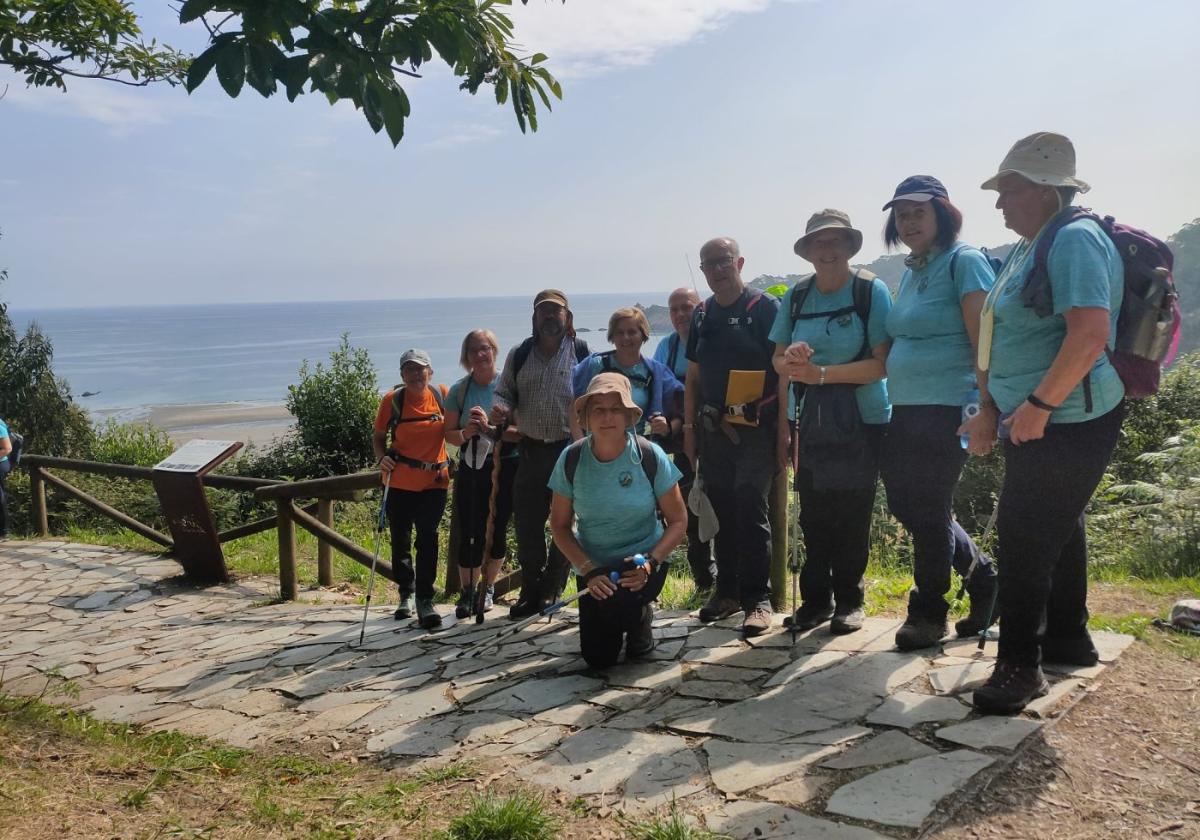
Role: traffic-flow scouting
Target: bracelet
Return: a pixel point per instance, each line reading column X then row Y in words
column 821, row 381
column 1033, row 400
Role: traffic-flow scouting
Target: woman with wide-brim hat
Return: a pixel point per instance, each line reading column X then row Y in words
column 1042, row 344
column 830, row 337
column 934, row 327
column 604, row 512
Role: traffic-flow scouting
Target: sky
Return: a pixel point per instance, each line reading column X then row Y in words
column 681, row 120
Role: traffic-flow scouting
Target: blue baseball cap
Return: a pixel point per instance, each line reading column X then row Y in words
column 918, row 188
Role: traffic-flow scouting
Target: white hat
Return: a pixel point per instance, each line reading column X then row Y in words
column 1043, row 158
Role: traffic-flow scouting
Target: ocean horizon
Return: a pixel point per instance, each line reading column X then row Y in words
column 131, row 358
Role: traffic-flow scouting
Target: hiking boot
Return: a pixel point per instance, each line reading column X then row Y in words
column 847, row 622
column 757, row 622
column 489, row 597
column 406, row 607
column 522, row 609
column 718, row 607
column 427, row 616
column 809, row 616
column 1080, row 651
column 466, row 602
column 1010, row 688
column 640, row 641
column 983, row 608
column 919, row 632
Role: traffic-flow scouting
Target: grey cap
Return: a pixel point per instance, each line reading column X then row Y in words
column 415, row 355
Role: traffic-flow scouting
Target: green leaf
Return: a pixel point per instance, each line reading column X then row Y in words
column 394, row 104
column 261, row 70
column 293, row 73
column 194, row 9
column 231, row 67
column 372, row 104
column 200, row 67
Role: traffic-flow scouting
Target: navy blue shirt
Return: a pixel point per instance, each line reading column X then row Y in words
column 736, row 337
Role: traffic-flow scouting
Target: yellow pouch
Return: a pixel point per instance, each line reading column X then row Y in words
column 744, row 386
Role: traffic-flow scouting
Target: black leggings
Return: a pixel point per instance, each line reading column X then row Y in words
column 1043, row 544
column 472, row 488
column 422, row 510
column 604, row 625
column 5, row 469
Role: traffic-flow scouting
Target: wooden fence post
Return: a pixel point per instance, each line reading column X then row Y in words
column 37, row 494
column 324, row 549
column 287, row 549
column 777, row 512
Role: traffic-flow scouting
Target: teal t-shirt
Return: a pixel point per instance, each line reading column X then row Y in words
column 836, row 341
column 662, row 353
column 932, row 361
column 1085, row 271
column 638, row 375
column 3, row 434
column 476, row 395
column 615, row 507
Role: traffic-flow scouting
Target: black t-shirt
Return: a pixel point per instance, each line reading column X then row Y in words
column 735, row 337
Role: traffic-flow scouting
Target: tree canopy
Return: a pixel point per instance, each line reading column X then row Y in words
column 345, row 50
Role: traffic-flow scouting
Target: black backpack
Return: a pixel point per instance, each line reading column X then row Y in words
column 18, row 443
column 645, row 448
column 861, row 306
column 398, row 408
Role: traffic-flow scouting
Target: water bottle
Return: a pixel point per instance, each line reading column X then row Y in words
column 969, row 410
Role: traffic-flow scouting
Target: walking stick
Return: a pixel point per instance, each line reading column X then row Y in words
column 380, row 523
column 794, row 514
column 966, row 581
column 474, row 446
column 486, row 557
column 545, row 612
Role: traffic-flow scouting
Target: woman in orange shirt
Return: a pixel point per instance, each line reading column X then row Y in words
column 417, row 472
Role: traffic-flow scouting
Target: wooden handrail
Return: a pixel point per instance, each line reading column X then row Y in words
column 109, row 511
column 334, row 485
column 255, row 527
column 343, row 544
column 219, row 482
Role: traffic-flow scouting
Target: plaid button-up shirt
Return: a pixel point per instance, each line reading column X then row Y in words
column 541, row 393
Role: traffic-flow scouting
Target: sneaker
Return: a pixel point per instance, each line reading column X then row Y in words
column 427, row 616
column 405, row 609
column 719, row 607
column 919, row 632
column 847, row 622
column 466, row 602
column 983, row 608
column 522, row 609
column 757, row 621
column 640, row 641
column 1079, row 651
column 489, row 596
column 1010, row 688
column 809, row 616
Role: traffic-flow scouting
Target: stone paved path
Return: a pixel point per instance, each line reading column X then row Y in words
column 841, row 738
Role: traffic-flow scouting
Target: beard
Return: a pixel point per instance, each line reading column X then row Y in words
column 551, row 328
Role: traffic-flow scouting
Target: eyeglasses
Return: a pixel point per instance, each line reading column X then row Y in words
column 719, row 264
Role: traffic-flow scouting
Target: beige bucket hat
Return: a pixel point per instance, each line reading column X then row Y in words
column 1044, row 158
column 608, row 383
column 828, row 219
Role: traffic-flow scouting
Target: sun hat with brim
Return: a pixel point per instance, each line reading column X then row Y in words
column 828, row 219
column 550, row 296
column 919, row 188
column 1043, row 158
column 415, row 356
column 608, row 383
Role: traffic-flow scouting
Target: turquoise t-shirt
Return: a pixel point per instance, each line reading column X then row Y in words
column 476, row 395
column 662, row 353
column 932, row 361
column 638, row 374
column 615, row 506
column 3, row 434
column 836, row 341
column 1085, row 271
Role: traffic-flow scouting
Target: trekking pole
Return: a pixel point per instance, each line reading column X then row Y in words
column 380, row 522
column 488, row 537
column 966, row 581
column 794, row 514
column 473, row 444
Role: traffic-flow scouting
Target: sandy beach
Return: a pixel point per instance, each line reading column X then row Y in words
column 223, row 421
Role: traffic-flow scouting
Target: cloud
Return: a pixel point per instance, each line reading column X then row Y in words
column 589, row 37
column 461, row 135
column 122, row 109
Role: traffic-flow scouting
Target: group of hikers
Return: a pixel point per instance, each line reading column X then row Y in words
column 845, row 381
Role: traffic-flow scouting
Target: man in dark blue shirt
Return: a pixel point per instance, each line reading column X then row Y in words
column 734, row 424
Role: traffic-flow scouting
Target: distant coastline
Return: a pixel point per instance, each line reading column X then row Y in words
column 257, row 423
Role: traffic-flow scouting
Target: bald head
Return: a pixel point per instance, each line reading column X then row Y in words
column 721, row 245
column 721, row 261
column 682, row 302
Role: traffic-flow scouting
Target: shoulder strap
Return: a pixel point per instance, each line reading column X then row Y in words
column 606, row 360
column 672, row 350
column 864, row 284
column 398, row 408
column 1036, row 293
column 574, row 451
column 649, row 459
column 581, row 349
column 520, row 356
column 462, row 385
column 799, row 296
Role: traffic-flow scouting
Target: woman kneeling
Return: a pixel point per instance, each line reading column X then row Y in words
column 612, row 485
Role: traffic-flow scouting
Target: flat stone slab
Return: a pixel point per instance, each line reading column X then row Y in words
column 991, row 732
column 958, row 678
column 736, row 768
column 797, row 791
column 805, row 666
column 739, row 657
column 907, row 709
column 746, row 820
column 647, row 675
column 885, row 748
column 1110, row 645
column 717, row 690
column 1045, row 706
column 877, row 634
column 409, row 706
column 906, row 794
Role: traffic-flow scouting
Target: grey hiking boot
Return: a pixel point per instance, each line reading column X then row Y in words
column 919, row 631
column 849, row 621
column 427, row 616
column 1010, row 688
column 466, row 600
column 809, row 616
column 406, row 607
column 719, row 607
column 757, row 622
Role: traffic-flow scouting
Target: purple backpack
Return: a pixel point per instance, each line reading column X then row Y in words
column 1148, row 324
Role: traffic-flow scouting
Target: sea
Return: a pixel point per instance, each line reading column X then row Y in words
column 133, row 357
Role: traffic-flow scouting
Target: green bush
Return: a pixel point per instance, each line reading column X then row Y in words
column 139, row 444
column 1150, row 422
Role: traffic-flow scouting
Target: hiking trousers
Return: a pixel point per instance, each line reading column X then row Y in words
column 1043, row 544
column 699, row 554
column 837, row 537
column 5, row 469
column 472, row 491
column 737, row 479
column 621, row 617
column 543, row 569
column 420, row 510
column 922, row 460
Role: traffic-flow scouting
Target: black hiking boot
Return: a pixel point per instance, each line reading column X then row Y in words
column 919, row 631
column 524, row 608
column 719, row 607
column 466, row 602
column 983, row 607
column 639, row 642
column 1010, row 688
column 1080, row 651
column 809, row 616
column 427, row 616
column 847, row 621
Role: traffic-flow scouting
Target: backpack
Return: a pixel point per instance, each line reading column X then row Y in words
column 1149, row 321
column 994, row 262
column 756, row 297
column 18, row 443
column 861, row 306
column 526, row 347
column 606, row 365
column 673, row 352
column 398, row 408
column 645, row 448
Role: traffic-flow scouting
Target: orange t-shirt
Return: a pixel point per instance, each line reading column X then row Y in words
column 421, row 440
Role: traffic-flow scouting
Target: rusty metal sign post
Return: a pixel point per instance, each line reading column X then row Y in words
column 177, row 481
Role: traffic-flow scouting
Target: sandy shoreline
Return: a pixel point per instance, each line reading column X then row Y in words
column 249, row 423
